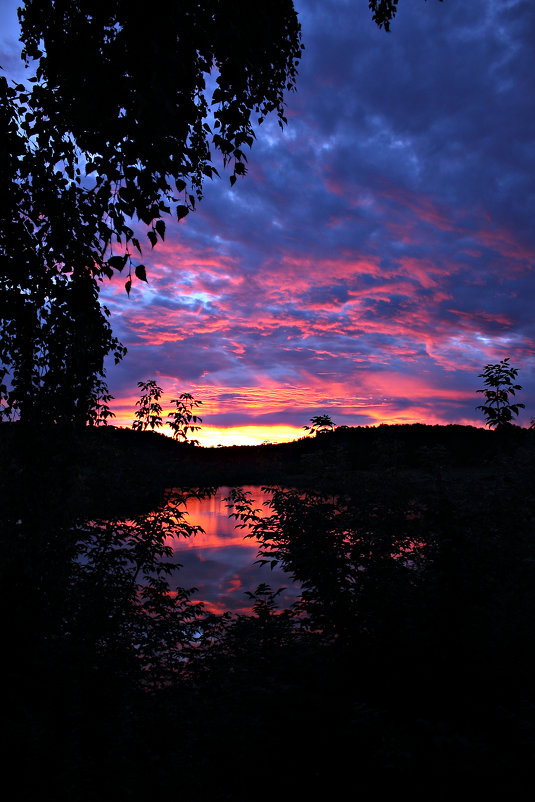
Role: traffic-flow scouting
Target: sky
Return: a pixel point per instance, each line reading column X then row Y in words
column 379, row 253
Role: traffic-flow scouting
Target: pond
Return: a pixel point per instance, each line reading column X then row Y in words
column 220, row 562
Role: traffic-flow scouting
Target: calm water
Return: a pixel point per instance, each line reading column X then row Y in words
column 220, row 562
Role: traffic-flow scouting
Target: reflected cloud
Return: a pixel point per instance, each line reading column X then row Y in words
column 220, row 562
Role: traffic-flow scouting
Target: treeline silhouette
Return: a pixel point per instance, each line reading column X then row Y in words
column 409, row 655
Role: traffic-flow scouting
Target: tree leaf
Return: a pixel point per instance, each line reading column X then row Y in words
column 160, row 228
column 117, row 262
column 141, row 272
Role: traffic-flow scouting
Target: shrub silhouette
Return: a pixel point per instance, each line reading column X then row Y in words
column 498, row 408
column 183, row 419
column 149, row 413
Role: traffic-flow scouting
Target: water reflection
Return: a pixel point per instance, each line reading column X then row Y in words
column 220, row 562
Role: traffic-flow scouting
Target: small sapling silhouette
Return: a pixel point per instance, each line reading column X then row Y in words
column 183, row 418
column 499, row 379
column 149, row 414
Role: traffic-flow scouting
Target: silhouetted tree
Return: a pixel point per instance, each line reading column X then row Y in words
column 130, row 91
column 149, row 414
column 183, row 420
column 320, row 424
column 113, row 132
column 54, row 333
column 116, row 131
column 498, row 409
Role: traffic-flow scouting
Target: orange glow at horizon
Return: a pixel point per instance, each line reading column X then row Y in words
column 213, row 436
column 247, row 435
column 244, row 407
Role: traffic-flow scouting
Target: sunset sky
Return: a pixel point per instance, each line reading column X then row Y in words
column 379, row 252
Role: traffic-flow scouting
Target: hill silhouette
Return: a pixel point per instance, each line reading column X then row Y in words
column 120, row 470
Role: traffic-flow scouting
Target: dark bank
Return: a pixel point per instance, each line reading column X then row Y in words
column 409, row 652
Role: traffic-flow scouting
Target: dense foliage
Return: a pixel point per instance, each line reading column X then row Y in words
column 54, row 334
column 126, row 116
column 410, row 650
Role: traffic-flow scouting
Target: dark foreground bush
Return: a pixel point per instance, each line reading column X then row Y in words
column 409, row 657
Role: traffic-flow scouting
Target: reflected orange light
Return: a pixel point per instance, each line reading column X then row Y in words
column 219, row 529
column 220, row 562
